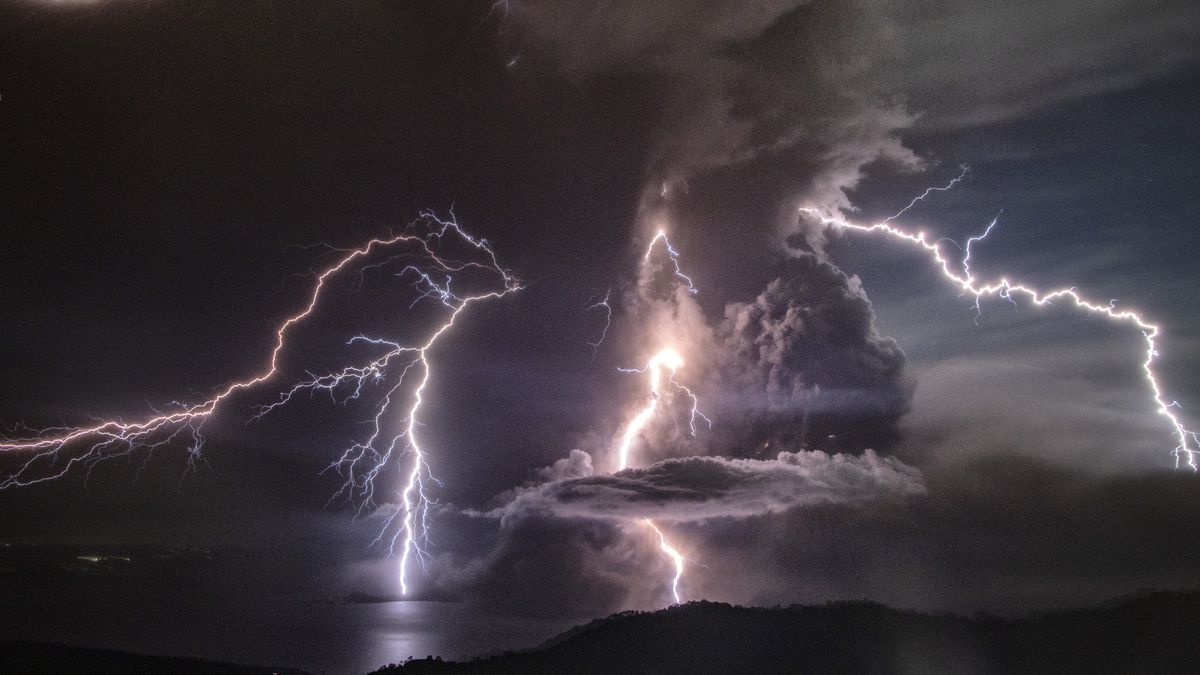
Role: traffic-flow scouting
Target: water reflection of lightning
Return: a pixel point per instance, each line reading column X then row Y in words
column 1187, row 441
column 432, row 274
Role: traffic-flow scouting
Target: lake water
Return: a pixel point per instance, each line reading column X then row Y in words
column 231, row 608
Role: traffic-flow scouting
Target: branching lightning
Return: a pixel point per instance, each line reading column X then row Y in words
column 667, row 359
column 430, row 272
column 661, row 235
column 1187, row 441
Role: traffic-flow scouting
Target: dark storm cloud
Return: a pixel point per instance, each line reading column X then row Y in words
column 697, row 489
column 143, row 162
column 804, row 360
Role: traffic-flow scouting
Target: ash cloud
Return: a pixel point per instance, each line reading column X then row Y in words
column 761, row 107
column 815, row 93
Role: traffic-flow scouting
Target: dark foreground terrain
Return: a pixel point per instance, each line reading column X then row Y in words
column 1156, row 633
column 27, row 657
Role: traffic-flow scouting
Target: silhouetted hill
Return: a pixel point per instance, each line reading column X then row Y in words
column 1156, row 633
column 27, row 657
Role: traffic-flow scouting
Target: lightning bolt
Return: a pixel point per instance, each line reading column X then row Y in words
column 601, row 304
column 966, row 261
column 675, row 556
column 430, row 272
column 1187, row 441
column 666, row 361
column 661, row 235
column 661, row 368
column 929, row 191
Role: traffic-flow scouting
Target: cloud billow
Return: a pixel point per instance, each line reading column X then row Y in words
column 699, row 489
column 803, row 362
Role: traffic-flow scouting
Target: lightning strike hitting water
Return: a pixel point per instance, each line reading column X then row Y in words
column 432, row 274
column 1187, row 441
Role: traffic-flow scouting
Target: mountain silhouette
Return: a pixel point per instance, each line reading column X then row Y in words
column 1152, row 633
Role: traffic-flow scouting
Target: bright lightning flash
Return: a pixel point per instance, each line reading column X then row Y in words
column 665, row 360
column 432, row 274
column 1187, row 441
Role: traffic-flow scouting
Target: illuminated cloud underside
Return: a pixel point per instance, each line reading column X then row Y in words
column 698, row 489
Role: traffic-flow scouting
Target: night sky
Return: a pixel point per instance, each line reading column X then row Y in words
column 174, row 172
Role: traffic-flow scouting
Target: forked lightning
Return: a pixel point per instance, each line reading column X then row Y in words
column 432, row 274
column 1187, row 441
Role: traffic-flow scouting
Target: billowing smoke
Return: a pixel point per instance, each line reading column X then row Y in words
column 775, row 87
column 771, row 87
column 802, row 365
